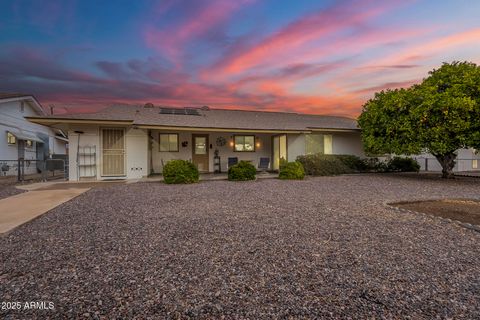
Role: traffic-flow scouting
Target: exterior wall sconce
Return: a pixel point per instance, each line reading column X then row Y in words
column 257, row 142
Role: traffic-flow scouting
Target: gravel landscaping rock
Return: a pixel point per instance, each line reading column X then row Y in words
column 7, row 190
column 324, row 247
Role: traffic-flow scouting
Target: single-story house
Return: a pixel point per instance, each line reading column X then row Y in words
column 126, row 142
column 23, row 139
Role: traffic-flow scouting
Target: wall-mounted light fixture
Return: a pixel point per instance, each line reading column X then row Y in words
column 257, row 142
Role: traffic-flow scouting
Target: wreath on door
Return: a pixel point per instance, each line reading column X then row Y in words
column 221, row 141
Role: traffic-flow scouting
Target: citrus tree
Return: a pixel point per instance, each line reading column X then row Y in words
column 439, row 116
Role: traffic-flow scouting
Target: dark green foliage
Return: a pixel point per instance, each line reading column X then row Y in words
column 292, row 170
column 180, row 171
column 374, row 164
column 402, row 164
column 323, row 165
column 438, row 116
column 353, row 162
column 242, row 171
column 282, row 163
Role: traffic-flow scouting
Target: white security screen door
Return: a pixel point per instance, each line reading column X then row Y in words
column 113, row 152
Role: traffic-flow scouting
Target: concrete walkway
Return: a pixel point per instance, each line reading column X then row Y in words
column 21, row 208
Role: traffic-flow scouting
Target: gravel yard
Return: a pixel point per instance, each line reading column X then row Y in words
column 8, row 189
column 319, row 248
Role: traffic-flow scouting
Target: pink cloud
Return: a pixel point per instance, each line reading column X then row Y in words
column 301, row 32
column 172, row 40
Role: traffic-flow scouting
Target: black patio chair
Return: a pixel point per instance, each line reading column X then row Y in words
column 264, row 164
column 232, row 161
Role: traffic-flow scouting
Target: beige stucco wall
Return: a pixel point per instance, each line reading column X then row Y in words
column 295, row 146
column 348, row 143
column 136, row 150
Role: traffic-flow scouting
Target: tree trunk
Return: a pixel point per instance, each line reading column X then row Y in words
column 447, row 161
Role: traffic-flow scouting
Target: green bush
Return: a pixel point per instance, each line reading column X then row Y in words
column 374, row 164
column 403, row 164
column 242, row 171
column 180, row 171
column 323, row 165
column 282, row 163
column 353, row 162
column 292, row 170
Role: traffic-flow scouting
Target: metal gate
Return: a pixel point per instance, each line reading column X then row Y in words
column 113, row 152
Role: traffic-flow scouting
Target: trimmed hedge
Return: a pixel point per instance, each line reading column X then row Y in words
column 353, row 162
column 292, row 171
column 242, row 171
column 403, row 164
column 180, row 171
column 323, row 165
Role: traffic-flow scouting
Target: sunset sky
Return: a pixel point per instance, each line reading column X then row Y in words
column 323, row 57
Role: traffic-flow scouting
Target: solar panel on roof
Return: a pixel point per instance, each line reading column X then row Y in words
column 178, row 111
column 192, row 112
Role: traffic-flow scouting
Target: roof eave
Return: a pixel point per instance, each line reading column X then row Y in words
column 213, row 129
column 334, row 130
column 53, row 120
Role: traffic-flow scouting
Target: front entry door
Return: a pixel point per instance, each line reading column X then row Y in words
column 200, row 151
column 113, row 152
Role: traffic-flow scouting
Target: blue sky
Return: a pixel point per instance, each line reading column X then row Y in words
column 325, row 57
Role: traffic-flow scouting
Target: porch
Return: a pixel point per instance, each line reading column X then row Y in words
column 211, row 176
column 214, row 152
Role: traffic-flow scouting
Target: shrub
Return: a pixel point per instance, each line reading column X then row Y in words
column 282, row 163
column 292, row 170
column 242, row 171
column 180, row 171
column 374, row 164
column 323, row 165
column 353, row 162
column 401, row 164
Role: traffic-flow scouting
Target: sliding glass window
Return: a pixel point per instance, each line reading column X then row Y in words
column 318, row 143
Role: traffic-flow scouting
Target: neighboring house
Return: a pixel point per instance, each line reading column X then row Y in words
column 125, row 142
column 467, row 160
column 21, row 138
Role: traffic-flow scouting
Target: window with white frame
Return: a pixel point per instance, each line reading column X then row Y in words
column 318, row 143
column 11, row 139
column 168, row 142
column 244, row 143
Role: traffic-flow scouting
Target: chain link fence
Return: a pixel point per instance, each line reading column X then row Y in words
column 41, row 170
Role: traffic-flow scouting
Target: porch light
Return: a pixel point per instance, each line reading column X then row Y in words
column 257, row 143
column 231, row 143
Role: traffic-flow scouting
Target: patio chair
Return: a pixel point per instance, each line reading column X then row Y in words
column 264, row 164
column 232, row 161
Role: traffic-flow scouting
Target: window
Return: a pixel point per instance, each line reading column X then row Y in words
column 28, row 143
column 244, row 143
column 318, row 143
column 11, row 138
column 168, row 142
column 22, row 107
column 474, row 164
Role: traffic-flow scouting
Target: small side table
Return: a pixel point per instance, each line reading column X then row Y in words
column 217, row 167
